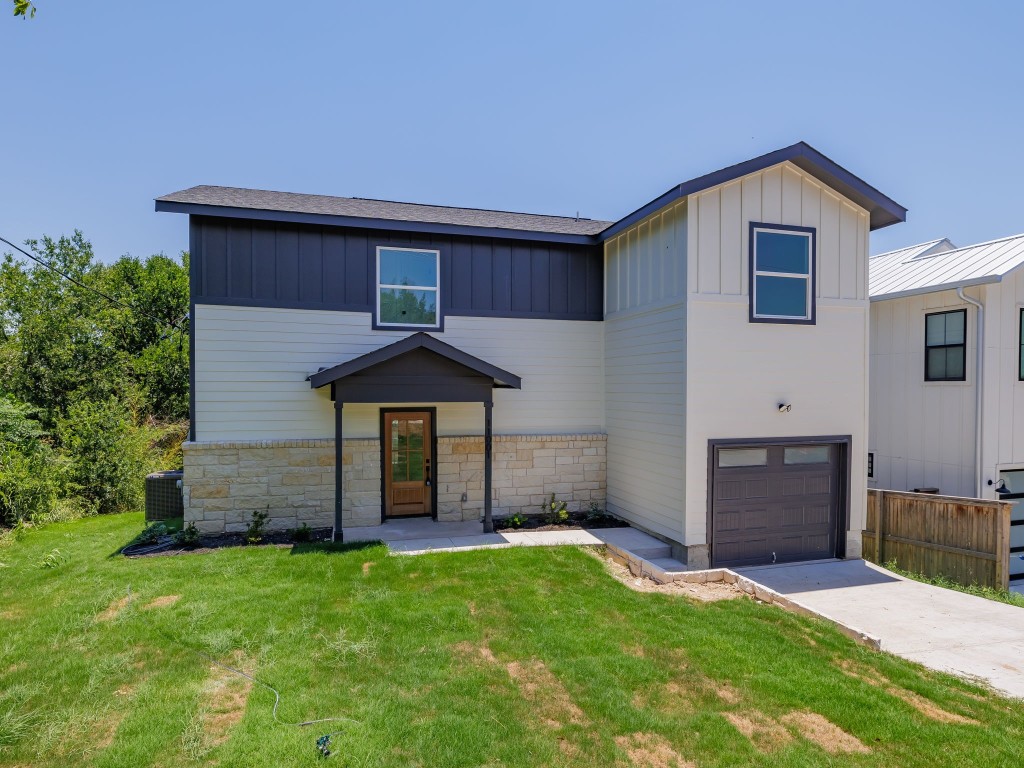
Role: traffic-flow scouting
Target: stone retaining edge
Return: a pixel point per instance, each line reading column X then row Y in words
column 638, row 566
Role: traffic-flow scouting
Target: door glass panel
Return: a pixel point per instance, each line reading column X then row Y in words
column 415, row 428
column 742, row 457
column 396, row 434
column 399, row 466
column 807, row 454
column 415, row 460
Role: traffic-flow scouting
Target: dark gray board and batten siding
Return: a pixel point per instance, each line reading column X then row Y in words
column 268, row 264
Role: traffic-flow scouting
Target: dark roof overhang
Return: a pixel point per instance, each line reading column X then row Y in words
column 416, row 368
column 883, row 210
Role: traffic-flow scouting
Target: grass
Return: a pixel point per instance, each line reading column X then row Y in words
column 989, row 593
column 520, row 657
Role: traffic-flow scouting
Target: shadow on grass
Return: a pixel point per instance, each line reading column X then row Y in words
column 314, row 547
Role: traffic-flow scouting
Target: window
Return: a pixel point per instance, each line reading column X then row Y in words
column 807, row 454
column 871, row 465
column 1020, row 357
column 407, row 288
column 781, row 274
column 945, row 349
column 742, row 457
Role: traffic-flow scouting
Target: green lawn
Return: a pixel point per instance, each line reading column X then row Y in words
column 525, row 657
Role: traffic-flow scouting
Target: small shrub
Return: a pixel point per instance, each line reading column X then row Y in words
column 188, row 536
column 556, row 511
column 152, row 534
column 302, row 533
column 516, row 521
column 53, row 559
column 32, row 474
column 254, row 533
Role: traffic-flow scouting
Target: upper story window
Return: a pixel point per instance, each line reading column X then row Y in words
column 945, row 348
column 782, row 261
column 408, row 281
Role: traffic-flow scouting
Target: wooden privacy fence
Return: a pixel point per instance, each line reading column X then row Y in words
column 965, row 540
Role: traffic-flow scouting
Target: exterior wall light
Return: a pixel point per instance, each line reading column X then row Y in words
column 785, row 407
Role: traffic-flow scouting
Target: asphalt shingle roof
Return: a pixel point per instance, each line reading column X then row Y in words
column 358, row 207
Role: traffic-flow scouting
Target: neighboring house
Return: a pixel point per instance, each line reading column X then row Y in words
column 698, row 368
column 947, row 373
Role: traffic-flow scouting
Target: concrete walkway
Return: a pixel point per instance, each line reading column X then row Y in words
column 418, row 535
column 940, row 628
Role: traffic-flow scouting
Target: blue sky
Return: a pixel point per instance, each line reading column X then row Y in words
column 548, row 107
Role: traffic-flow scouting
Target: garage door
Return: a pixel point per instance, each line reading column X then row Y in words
column 774, row 503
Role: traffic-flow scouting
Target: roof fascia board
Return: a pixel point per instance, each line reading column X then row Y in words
column 419, row 340
column 359, row 222
column 986, row 280
column 805, row 157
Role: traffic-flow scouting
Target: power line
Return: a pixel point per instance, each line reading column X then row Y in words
column 173, row 324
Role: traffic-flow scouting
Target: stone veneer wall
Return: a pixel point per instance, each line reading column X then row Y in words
column 293, row 480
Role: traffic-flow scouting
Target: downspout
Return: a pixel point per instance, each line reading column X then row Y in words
column 979, row 381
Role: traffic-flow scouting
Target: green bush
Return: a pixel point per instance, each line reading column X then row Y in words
column 108, row 454
column 32, row 474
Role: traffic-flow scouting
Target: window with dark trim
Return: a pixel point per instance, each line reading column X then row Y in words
column 945, row 348
column 782, row 263
column 1020, row 355
column 871, row 465
column 408, row 288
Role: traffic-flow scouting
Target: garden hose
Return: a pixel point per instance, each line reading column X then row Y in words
column 323, row 743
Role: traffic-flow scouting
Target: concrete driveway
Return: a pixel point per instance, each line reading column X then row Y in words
column 942, row 629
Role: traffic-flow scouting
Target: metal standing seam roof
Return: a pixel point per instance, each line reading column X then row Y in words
column 365, row 208
column 902, row 273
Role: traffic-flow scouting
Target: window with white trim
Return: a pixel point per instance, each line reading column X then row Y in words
column 782, row 261
column 408, row 287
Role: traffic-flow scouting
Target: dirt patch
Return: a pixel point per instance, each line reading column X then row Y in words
column 225, row 695
column 10, row 614
column 709, row 592
column 634, row 650
column 469, row 651
column 472, row 608
column 763, row 732
column 649, row 750
column 824, row 733
column 163, row 601
column 106, row 729
column 367, row 566
column 110, row 612
column 925, row 706
column 541, row 688
column 726, row 693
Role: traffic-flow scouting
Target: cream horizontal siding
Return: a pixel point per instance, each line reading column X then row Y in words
column 645, row 385
column 922, row 433
column 251, row 365
column 645, row 264
column 719, row 233
column 645, row 382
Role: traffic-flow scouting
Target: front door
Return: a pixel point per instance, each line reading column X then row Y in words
column 407, row 463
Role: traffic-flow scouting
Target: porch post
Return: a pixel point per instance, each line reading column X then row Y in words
column 488, row 520
column 339, row 471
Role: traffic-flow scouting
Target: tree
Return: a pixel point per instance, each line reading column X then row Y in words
column 25, row 8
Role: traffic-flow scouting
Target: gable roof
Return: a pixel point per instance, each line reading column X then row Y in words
column 882, row 209
column 235, row 202
column 502, row 378
column 915, row 251
column 895, row 274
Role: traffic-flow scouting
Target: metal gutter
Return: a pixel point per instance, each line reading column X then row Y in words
column 978, row 381
column 986, row 280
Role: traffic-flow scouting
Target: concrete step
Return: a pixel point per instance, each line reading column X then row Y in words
column 668, row 564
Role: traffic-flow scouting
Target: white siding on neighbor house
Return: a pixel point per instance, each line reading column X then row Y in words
column 922, row 432
column 645, row 371
column 1003, row 404
column 738, row 371
column 251, row 365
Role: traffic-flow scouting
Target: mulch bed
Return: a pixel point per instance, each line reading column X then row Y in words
column 576, row 522
column 213, row 542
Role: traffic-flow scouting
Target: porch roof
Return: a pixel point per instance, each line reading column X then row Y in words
column 414, row 369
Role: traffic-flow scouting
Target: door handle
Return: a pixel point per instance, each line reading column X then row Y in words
column 427, row 472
